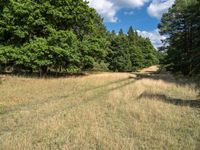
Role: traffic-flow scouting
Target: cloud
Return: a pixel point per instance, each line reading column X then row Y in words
column 154, row 36
column 105, row 8
column 158, row 7
column 129, row 3
column 108, row 8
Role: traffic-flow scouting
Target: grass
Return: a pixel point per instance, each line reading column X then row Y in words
column 99, row 111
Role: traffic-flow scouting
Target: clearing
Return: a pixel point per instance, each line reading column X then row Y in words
column 100, row 111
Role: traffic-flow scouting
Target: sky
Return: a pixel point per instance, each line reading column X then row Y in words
column 143, row 15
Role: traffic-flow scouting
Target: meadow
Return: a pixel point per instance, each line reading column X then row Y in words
column 145, row 110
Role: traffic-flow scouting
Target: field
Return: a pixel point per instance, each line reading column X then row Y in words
column 99, row 111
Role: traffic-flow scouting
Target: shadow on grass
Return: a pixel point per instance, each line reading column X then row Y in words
column 165, row 76
column 98, row 97
column 169, row 78
column 97, row 87
column 154, row 76
column 35, row 104
column 178, row 102
column 49, row 75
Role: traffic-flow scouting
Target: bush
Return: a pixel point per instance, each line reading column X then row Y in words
column 102, row 66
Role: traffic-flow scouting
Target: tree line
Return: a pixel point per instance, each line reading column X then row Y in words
column 66, row 36
column 181, row 25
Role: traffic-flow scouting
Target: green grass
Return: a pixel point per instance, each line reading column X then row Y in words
column 2, row 109
column 102, row 111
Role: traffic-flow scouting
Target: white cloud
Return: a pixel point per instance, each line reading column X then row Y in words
column 105, row 8
column 130, row 3
column 158, row 7
column 109, row 8
column 154, row 36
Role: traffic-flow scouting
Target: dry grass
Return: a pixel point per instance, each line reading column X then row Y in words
column 150, row 69
column 102, row 111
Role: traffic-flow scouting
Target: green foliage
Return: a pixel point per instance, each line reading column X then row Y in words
column 149, row 53
column 119, row 56
column 182, row 25
column 100, row 66
column 130, row 52
column 161, row 55
column 93, row 49
column 64, row 47
column 137, row 58
column 8, row 56
column 36, row 54
column 37, row 35
column 65, row 35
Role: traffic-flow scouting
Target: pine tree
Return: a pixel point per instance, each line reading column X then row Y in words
column 130, row 52
column 119, row 57
column 181, row 24
column 137, row 58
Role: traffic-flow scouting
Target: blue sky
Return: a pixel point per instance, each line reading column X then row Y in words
column 143, row 15
column 138, row 18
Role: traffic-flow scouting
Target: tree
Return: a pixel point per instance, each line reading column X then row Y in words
column 149, row 52
column 93, row 50
column 132, row 36
column 182, row 26
column 46, row 34
column 119, row 57
column 136, row 55
column 65, row 35
column 130, row 52
column 143, row 54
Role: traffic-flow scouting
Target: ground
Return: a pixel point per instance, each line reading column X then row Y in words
column 145, row 110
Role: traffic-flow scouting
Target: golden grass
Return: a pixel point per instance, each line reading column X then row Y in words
column 150, row 69
column 99, row 111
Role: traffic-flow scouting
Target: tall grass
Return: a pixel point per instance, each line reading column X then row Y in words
column 99, row 111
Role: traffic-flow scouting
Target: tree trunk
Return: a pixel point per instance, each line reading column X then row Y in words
column 43, row 71
column 31, row 70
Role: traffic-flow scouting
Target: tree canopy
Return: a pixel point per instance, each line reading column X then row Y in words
column 130, row 52
column 182, row 27
column 66, row 36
